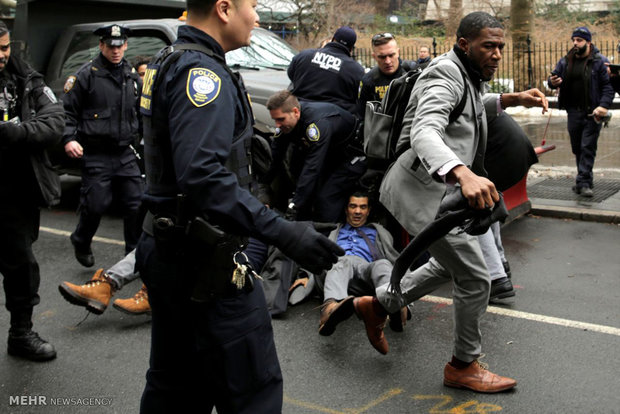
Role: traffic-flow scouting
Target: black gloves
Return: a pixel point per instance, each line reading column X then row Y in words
column 11, row 133
column 303, row 244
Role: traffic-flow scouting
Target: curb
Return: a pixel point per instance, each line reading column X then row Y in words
column 600, row 216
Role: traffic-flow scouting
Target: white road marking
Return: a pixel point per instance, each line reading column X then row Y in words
column 535, row 317
column 68, row 233
column 437, row 299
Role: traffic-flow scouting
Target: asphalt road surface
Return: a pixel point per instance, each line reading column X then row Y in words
column 559, row 337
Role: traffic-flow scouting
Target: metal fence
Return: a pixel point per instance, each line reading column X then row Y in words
column 521, row 69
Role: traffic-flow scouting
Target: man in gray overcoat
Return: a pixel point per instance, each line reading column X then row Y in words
column 443, row 153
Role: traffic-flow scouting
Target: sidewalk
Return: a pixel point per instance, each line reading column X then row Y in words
column 549, row 190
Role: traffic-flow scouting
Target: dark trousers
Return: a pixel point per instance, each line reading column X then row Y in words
column 107, row 177
column 584, row 132
column 19, row 228
column 216, row 354
column 335, row 191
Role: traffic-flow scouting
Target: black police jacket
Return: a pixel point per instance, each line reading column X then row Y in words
column 204, row 110
column 328, row 74
column 375, row 83
column 41, row 123
column 320, row 141
column 100, row 107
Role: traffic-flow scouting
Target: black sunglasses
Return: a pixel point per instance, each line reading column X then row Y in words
column 380, row 36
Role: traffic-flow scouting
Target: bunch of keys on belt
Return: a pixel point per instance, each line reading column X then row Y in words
column 243, row 271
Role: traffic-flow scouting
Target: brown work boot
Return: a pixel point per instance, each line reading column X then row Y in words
column 333, row 312
column 374, row 322
column 94, row 295
column 138, row 305
column 476, row 377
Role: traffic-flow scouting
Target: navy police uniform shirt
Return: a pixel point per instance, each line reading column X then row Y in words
column 375, row 83
column 101, row 102
column 319, row 145
column 198, row 94
column 328, row 74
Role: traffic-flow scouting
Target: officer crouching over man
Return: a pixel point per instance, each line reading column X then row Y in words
column 212, row 341
column 32, row 122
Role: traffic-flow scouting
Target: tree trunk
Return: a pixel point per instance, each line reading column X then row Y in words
column 455, row 14
column 521, row 25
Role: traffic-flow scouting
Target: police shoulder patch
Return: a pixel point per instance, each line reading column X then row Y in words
column 203, row 86
column 50, row 95
column 313, row 133
column 69, row 83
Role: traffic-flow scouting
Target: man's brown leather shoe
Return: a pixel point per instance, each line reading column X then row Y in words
column 333, row 312
column 477, row 378
column 374, row 323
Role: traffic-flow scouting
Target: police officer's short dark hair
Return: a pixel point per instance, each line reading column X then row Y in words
column 473, row 23
column 3, row 28
column 283, row 100
column 201, row 7
column 140, row 60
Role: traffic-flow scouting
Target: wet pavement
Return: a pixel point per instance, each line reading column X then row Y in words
column 558, row 337
column 550, row 180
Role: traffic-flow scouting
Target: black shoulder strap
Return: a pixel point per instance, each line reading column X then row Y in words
column 458, row 110
column 454, row 115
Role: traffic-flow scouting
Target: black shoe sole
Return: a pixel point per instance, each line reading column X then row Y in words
column 32, row 357
column 503, row 295
column 344, row 311
column 95, row 307
column 90, row 262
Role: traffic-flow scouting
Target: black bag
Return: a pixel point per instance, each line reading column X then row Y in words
column 509, row 153
column 383, row 121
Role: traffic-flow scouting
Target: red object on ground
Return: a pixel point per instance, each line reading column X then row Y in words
column 516, row 199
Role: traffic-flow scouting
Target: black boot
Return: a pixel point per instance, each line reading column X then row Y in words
column 501, row 288
column 29, row 345
column 83, row 254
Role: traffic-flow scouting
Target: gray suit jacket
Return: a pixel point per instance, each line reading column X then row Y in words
column 411, row 189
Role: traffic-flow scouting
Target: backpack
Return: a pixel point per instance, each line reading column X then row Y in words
column 383, row 121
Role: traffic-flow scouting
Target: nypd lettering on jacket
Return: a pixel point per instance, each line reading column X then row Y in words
column 326, row 61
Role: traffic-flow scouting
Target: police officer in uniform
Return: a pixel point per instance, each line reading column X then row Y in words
column 389, row 66
column 32, row 120
column 328, row 74
column 212, row 341
column 324, row 160
column 102, row 126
